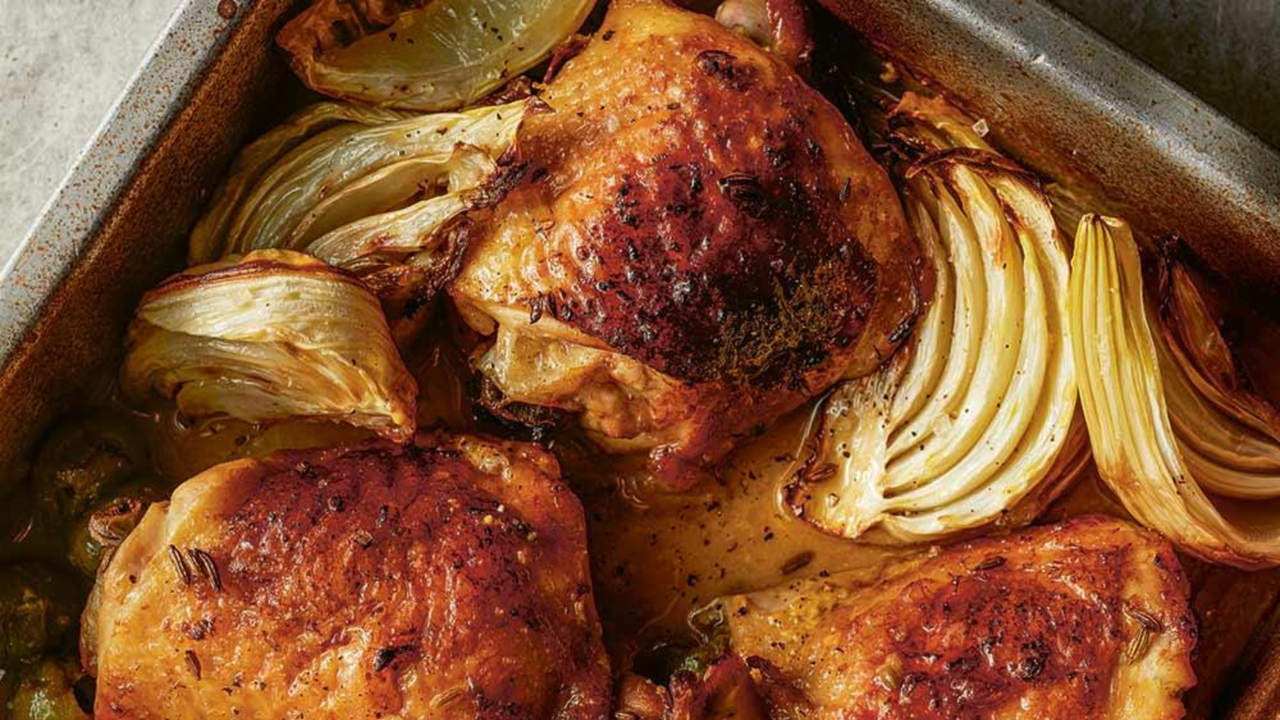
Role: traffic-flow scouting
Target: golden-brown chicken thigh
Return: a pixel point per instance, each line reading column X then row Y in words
column 1087, row 619
column 699, row 245
column 445, row 579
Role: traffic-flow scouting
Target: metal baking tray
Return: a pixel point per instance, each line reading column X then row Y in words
column 1067, row 102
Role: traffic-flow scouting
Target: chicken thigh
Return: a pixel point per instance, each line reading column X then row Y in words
column 445, row 579
column 1086, row 619
column 699, row 244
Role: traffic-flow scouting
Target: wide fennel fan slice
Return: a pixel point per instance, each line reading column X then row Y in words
column 969, row 421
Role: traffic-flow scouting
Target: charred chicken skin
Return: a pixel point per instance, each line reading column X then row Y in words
column 445, row 579
column 1086, row 619
column 699, row 244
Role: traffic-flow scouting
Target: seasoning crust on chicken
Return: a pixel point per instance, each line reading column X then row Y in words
column 1086, row 619
column 699, row 245
column 446, row 579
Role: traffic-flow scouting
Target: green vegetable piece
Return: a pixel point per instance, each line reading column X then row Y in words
column 8, row 688
column 83, row 458
column 106, row 525
column 27, row 530
column 47, row 691
column 37, row 607
column 711, row 628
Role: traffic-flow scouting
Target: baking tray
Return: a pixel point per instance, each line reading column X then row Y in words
column 1069, row 103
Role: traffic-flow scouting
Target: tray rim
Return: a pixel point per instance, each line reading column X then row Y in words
column 69, row 221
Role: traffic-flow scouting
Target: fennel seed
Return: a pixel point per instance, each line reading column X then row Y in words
column 447, row 698
column 990, row 563
column 1141, row 641
column 193, row 662
column 800, row 560
column 1148, row 622
column 745, row 191
column 815, row 474
column 1137, row 647
column 207, row 566
column 180, row 564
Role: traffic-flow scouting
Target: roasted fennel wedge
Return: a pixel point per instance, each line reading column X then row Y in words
column 382, row 193
column 267, row 337
column 312, row 177
column 1175, row 432
column 424, row 54
column 969, row 420
column 208, row 239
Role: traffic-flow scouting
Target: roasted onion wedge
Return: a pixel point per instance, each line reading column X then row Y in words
column 267, row 337
column 970, row 418
column 1188, row 452
column 424, row 54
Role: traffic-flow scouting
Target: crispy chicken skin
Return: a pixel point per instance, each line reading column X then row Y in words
column 699, row 244
column 445, row 579
column 1086, row 619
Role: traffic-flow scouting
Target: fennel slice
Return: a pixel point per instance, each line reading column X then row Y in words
column 1123, row 386
column 438, row 55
